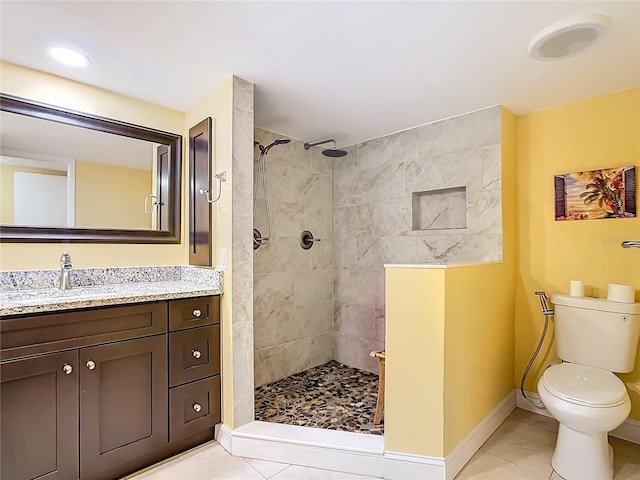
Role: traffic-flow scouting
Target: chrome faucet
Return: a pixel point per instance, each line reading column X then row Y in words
column 65, row 271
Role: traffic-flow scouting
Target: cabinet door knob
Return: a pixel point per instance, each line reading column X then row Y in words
column 197, row 407
column 67, row 369
column 196, row 353
column 197, row 312
column 91, row 364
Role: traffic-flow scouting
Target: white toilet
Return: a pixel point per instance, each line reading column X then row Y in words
column 594, row 337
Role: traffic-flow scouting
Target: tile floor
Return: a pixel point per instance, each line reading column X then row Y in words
column 332, row 396
column 520, row 449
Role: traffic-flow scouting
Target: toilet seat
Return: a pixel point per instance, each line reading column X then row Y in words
column 586, row 386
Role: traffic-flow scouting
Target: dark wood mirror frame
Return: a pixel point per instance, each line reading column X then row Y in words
column 10, row 103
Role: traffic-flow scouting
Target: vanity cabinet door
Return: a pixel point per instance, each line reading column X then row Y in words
column 123, row 402
column 39, row 417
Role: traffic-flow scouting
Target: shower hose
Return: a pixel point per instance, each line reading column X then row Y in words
column 547, row 313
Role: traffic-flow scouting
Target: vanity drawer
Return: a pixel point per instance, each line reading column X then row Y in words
column 194, row 354
column 194, row 312
column 35, row 334
column 194, row 407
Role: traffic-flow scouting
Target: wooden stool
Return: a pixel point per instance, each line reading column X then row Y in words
column 377, row 418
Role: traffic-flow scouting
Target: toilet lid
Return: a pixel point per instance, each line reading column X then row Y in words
column 584, row 385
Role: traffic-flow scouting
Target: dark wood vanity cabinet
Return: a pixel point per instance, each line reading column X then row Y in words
column 39, row 417
column 104, row 404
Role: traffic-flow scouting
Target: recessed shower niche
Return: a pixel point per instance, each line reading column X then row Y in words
column 441, row 209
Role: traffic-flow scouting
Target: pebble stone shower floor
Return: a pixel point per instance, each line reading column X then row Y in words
column 331, row 396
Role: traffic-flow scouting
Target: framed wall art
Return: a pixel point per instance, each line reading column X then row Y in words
column 596, row 194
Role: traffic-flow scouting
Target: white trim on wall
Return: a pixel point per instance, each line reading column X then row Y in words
column 355, row 453
column 629, row 430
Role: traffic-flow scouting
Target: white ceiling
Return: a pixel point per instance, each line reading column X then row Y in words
column 352, row 70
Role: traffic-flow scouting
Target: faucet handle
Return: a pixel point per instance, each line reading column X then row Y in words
column 65, row 258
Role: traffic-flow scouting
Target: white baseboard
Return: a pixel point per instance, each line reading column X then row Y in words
column 629, row 430
column 355, row 453
column 466, row 448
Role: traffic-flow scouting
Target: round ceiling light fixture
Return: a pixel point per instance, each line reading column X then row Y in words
column 568, row 37
column 68, row 56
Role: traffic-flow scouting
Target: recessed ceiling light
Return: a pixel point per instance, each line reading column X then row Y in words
column 568, row 37
column 68, row 56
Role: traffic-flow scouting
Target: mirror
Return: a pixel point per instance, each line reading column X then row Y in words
column 66, row 176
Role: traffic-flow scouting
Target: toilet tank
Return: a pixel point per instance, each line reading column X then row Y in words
column 596, row 332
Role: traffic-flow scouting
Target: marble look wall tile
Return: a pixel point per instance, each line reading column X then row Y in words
column 491, row 166
column 320, row 164
column 243, row 385
column 275, row 327
column 284, row 183
column 316, row 190
column 281, row 254
column 388, row 150
column 291, row 155
column 373, row 252
column 320, row 256
column 359, row 286
column 379, row 325
column 345, row 175
column 475, row 129
column 353, row 220
column 290, row 219
column 272, row 291
column 459, row 248
column 485, row 212
column 392, row 218
column 378, row 185
column 296, row 307
column 354, row 351
column 355, row 319
column 242, row 268
column 277, row 362
column 313, row 286
column 455, row 169
column 345, row 253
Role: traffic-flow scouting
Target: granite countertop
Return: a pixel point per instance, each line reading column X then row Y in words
column 137, row 288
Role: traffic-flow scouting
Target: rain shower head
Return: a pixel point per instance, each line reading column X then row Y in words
column 334, row 152
column 329, row 152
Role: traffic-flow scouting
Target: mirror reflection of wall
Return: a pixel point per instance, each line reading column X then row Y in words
column 36, row 192
column 113, row 177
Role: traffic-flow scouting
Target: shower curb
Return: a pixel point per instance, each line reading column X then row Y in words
column 356, row 453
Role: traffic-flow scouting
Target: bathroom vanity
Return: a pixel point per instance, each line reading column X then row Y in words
column 100, row 392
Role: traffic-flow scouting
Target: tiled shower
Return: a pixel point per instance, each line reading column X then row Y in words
column 430, row 194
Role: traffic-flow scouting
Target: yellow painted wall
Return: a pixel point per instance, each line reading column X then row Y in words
column 449, row 362
column 415, row 322
column 110, row 196
column 219, row 106
column 50, row 89
column 478, row 345
column 591, row 134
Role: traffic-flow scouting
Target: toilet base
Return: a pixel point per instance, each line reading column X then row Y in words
column 580, row 455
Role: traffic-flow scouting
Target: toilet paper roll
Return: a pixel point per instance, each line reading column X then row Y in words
column 621, row 293
column 576, row 288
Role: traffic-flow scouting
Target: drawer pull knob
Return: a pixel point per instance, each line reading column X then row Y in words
column 67, row 369
column 197, row 312
column 196, row 353
column 91, row 364
column 197, row 407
